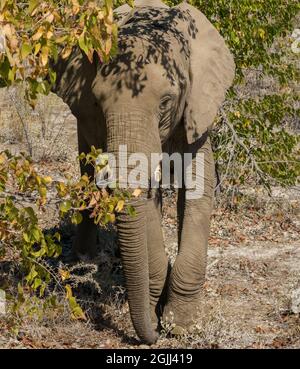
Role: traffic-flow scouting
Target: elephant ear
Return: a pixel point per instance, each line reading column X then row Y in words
column 212, row 71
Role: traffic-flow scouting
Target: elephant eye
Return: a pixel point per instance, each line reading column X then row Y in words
column 165, row 103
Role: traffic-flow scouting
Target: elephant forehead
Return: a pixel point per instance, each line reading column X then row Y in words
column 161, row 27
column 154, row 39
column 138, row 62
column 145, row 84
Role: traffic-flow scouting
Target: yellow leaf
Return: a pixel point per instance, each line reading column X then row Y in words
column 76, row 7
column 66, row 52
column 38, row 180
column 120, row 206
column 108, row 46
column 7, row 30
column 2, row 158
column 137, row 192
column 69, row 292
column 32, row 5
column 25, row 50
column 47, row 180
column 261, row 33
column 50, row 18
column 85, row 178
column 112, row 218
column 37, row 48
column 49, row 34
column 61, row 39
column 77, row 313
column 100, row 15
column 64, row 274
column 62, row 190
column 38, row 34
column 44, row 56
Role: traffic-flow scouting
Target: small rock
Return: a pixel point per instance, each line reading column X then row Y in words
column 178, row 331
column 295, row 305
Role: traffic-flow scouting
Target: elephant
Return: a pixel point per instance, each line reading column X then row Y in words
column 161, row 93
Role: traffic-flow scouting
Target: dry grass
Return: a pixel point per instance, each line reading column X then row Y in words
column 39, row 132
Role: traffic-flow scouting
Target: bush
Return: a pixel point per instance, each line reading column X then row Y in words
column 21, row 234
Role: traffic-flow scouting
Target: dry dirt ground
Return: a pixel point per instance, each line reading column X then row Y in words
column 253, row 268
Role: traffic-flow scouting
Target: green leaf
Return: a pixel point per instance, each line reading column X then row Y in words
column 32, row 5
column 76, row 218
column 32, row 274
column 131, row 211
column 82, row 43
column 31, row 214
column 26, row 237
column 25, row 50
column 52, row 76
column 65, row 206
column 36, row 233
column 37, row 283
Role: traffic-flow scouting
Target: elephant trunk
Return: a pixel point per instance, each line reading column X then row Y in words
column 133, row 246
column 132, row 129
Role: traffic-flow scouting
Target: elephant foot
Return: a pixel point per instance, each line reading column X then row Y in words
column 181, row 315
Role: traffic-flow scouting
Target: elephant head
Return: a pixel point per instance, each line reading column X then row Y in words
column 172, row 71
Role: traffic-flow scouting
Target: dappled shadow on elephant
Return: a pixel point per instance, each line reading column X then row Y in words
column 157, row 34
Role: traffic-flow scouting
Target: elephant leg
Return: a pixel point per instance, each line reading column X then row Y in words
column 158, row 261
column 188, row 273
column 84, row 245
